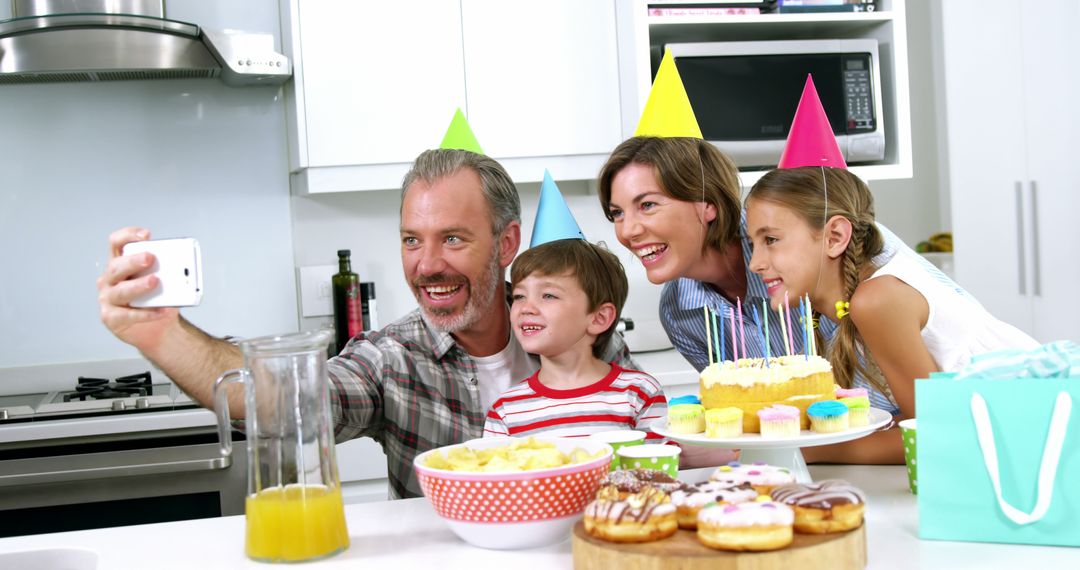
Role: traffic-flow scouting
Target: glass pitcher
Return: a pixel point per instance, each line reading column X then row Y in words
column 294, row 507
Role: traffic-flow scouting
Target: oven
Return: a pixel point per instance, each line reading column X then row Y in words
column 113, row 453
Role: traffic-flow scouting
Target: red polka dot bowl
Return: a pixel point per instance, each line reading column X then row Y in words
column 514, row 510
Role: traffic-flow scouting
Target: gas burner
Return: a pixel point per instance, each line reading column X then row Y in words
column 104, row 389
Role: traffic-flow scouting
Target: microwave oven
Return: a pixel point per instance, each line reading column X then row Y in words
column 744, row 94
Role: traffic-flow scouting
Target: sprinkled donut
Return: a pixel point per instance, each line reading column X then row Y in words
column 762, row 476
column 754, row 526
column 688, row 502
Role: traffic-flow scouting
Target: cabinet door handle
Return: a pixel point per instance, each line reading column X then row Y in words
column 1020, row 237
column 1035, row 240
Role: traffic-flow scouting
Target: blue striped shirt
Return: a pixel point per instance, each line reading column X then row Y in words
column 681, row 303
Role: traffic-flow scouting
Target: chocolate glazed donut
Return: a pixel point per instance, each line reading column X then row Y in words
column 827, row 506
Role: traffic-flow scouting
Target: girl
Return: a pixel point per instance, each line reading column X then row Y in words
column 813, row 232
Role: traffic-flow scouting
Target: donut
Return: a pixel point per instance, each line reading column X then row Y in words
column 762, row 476
column 755, row 526
column 644, row 516
column 630, row 481
column 688, row 502
column 827, row 506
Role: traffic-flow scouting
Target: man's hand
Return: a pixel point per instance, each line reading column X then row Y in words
column 142, row 328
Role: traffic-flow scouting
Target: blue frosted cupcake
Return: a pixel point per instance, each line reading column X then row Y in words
column 688, row 399
column 828, row 416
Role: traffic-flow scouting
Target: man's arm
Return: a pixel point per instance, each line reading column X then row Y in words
column 189, row 356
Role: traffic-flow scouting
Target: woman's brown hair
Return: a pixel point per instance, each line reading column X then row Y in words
column 803, row 191
column 687, row 169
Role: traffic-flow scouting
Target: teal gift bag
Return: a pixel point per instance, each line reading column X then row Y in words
column 999, row 460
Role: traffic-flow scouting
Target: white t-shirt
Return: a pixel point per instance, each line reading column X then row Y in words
column 496, row 373
column 958, row 327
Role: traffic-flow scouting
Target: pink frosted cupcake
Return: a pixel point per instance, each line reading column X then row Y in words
column 779, row 421
column 851, row 393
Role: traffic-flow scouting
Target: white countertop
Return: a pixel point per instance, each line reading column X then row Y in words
column 407, row 534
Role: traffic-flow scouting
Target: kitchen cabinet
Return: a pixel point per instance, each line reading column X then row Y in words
column 1011, row 86
column 362, row 470
column 377, row 83
column 647, row 34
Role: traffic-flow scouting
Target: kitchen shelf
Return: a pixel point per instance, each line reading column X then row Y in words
column 642, row 37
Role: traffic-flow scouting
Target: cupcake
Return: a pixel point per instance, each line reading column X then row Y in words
column 858, row 410
column 723, row 423
column 851, row 393
column 688, row 399
column 828, row 416
column 686, row 418
column 779, row 421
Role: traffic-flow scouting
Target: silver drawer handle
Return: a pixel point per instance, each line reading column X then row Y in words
column 104, row 465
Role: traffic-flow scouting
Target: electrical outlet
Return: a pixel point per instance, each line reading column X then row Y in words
column 316, row 291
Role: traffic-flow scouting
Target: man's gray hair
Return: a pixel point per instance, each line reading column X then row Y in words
column 499, row 190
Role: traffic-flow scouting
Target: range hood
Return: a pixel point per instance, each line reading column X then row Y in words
column 112, row 40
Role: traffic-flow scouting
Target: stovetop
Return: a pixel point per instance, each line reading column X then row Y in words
column 93, row 397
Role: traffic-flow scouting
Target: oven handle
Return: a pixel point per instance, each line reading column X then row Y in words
column 10, row 476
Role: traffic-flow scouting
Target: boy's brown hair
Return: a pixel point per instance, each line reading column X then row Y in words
column 598, row 271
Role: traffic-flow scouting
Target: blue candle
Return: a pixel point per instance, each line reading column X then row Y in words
column 717, row 332
column 764, row 336
column 719, row 319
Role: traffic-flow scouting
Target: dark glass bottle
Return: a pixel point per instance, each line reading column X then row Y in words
column 348, row 316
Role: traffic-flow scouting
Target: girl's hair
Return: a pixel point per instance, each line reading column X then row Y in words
column 687, row 169
column 801, row 190
column 597, row 271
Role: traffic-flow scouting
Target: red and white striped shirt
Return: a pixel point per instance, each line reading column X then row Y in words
column 623, row 399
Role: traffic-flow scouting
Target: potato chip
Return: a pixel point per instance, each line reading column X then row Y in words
column 520, row 455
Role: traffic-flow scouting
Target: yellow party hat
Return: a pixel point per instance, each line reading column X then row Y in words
column 668, row 112
column 459, row 135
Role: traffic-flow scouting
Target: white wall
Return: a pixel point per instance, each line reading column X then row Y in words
column 184, row 158
column 913, row 209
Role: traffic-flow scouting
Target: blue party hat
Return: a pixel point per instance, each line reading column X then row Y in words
column 553, row 218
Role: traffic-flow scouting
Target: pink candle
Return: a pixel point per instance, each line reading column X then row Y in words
column 787, row 315
column 734, row 334
column 742, row 333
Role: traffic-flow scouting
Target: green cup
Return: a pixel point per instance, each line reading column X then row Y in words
column 651, row 456
column 619, row 439
column 907, row 432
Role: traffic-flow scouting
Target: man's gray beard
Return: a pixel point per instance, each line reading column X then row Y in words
column 481, row 300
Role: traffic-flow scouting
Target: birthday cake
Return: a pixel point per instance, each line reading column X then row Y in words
column 751, row 384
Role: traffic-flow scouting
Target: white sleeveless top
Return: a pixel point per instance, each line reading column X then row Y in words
column 958, row 327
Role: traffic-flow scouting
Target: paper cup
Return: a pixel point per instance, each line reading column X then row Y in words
column 907, row 432
column 651, row 456
column 619, row 439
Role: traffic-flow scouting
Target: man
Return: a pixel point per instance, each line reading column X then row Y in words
column 424, row 381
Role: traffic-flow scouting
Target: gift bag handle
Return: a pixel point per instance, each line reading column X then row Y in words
column 1055, row 440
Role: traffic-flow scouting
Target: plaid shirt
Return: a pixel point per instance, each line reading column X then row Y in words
column 412, row 389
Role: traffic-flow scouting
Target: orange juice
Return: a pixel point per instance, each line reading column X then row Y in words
column 299, row 522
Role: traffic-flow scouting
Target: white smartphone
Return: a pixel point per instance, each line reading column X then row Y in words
column 178, row 266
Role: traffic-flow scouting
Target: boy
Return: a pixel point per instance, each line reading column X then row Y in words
column 567, row 297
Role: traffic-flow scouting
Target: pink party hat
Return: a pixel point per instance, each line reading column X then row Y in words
column 811, row 141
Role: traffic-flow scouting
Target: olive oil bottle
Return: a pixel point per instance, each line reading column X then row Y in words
column 348, row 313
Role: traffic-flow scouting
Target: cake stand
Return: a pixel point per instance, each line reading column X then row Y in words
column 781, row 452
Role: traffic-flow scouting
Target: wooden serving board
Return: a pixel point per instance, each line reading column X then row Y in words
column 839, row 551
